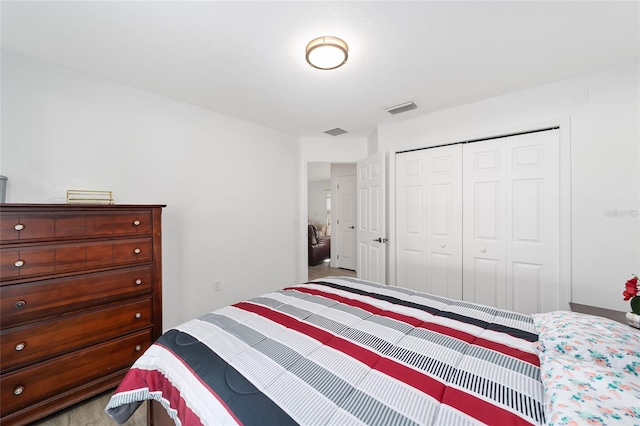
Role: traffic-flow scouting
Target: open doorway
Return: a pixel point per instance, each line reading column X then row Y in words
column 331, row 219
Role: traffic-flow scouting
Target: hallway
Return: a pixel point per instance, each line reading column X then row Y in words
column 324, row 270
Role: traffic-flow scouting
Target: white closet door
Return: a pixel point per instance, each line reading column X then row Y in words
column 484, row 223
column 511, row 222
column 429, row 220
column 444, row 220
column 533, row 232
column 411, row 219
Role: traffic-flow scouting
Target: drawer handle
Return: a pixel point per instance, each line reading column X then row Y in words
column 20, row 304
column 18, row 227
column 18, row 390
column 137, row 251
column 138, row 348
column 20, row 346
column 138, row 281
column 136, row 222
column 138, row 315
column 18, row 263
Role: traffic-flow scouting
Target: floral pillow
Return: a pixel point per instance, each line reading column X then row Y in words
column 589, row 338
column 581, row 392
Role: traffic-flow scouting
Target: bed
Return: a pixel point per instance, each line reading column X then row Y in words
column 341, row 351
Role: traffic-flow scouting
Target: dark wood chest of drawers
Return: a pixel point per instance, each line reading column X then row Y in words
column 80, row 299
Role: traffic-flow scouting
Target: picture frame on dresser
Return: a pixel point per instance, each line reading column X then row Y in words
column 80, row 300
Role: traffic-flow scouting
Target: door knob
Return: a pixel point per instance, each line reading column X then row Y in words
column 351, row 227
column 381, row 240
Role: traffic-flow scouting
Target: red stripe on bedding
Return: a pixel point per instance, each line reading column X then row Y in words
column 345, row 300
column 402, row 318
column 360, row 304
column 529, row 357
column 355, row 351
column 401, row 372
column 448, row 331
column 211, row 391
column 480, row 409
column 157, row 382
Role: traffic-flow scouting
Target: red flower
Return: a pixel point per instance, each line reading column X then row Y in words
column 631, row 288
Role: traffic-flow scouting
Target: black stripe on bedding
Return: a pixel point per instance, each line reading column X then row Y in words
column 515, row 332
column 325, row 382
column 242, row 398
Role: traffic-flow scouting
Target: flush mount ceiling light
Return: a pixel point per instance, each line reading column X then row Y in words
column 327, row 53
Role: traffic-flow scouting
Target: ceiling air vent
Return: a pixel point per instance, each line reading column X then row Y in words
column 335, row 132
column 397, row 109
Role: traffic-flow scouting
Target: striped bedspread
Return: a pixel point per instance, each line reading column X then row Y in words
column 341, row 351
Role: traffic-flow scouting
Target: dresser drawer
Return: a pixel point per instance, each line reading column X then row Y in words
column 42, row 225
column 26, row 344
column 51, row 259
column 28, row 302
column 27, row 386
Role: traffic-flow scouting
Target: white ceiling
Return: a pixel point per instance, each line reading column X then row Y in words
column 246, row 59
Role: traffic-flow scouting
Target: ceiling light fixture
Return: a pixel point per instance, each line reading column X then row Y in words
column 327, row 53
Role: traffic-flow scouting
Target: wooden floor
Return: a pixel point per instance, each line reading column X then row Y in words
column 91, row 413
column 324, row 270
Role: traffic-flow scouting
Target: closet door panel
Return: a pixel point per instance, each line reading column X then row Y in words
column 533, row 209
column 528, row 286
column 488, row 280
column 488, row 210
column 411, row 261
column 445, row 275
column 483, row 223
column 444, row 220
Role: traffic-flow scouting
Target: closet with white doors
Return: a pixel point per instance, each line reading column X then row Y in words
column 480, row 221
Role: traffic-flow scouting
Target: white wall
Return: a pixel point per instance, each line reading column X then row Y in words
column 372, row 142
column 230, row 186
column 604, row 115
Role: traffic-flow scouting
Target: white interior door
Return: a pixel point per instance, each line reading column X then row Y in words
column 346, row 222
column 371, row 223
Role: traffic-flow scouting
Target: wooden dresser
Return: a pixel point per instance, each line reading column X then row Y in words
column 81, row 298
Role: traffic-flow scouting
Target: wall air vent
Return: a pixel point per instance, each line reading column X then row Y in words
column 336, row 132
column 397, row 109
